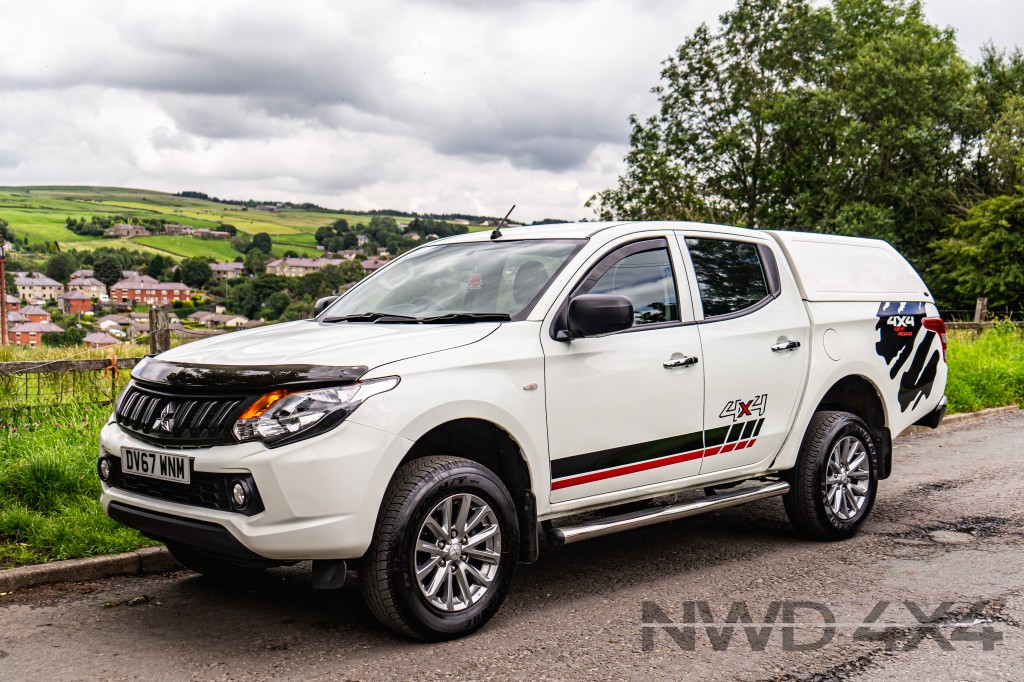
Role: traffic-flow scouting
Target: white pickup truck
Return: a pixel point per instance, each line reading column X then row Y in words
column 483, row 391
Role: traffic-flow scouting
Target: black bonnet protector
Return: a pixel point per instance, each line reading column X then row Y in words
column 243, row 377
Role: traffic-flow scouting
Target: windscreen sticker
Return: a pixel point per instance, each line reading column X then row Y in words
column 899, row 331
column 476, row 280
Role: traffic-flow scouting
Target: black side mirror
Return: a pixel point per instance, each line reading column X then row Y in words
column 597, row 314
column 322, row 304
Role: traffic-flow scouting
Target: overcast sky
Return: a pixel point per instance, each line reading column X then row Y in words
column 433, row 106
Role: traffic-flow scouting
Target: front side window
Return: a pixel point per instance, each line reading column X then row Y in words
column 646, row 279
column 500, row 278
column 730, row 275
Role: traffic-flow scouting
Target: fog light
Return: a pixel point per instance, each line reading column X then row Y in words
column 240, row 494
column 104, row 468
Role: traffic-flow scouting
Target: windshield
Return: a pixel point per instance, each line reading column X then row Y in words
column 485, row 280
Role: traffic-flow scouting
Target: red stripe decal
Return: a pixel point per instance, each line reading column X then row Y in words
column 647, row 466
column 627, row 469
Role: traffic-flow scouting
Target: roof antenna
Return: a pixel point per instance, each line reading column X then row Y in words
column 497, row 230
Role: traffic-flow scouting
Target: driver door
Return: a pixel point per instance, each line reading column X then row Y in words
column 625, row 410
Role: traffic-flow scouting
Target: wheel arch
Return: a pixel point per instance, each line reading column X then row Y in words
column 491, row 446
column 859, row 395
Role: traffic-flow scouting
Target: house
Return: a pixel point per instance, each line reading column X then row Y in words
column 204, row 233
column 296, row 267
column 153, row 293
column 36, row 286
column 382, row 252
column 361, row 239
column 216, row 320
column 74, row 303
column 111, row 321
column 135, row 274
column 251, row 324
column 35, row 314
column 175, row 229
column 13, row 303
column 372, row 265
column 81, row 274
column 125, row 230
column 200, row 316
column 225, row 271
column 414, row 236
column 90, row 286
column 31, row 333
column 270, row 208
column 99, row 340
column 14, row 317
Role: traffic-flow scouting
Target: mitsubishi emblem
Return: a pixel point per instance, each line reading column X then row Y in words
column 165, row 422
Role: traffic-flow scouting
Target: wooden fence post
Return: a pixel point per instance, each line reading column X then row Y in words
column 159, row 329
column 981, row 309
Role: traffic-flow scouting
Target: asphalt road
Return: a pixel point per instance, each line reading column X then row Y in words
column 948, row 527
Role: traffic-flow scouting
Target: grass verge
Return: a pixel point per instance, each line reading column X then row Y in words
column 49, row 490
column 986, row 369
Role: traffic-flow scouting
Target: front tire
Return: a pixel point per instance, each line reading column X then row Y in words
column 834, row 482
column 444, row 549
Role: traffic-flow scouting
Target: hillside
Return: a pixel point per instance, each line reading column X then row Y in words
column 40, row 213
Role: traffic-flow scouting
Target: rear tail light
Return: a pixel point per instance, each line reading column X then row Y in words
column 936, row 325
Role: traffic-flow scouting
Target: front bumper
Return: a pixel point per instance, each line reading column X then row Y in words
column 320, row 496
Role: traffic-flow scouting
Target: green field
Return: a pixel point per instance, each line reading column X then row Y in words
column 40, row 212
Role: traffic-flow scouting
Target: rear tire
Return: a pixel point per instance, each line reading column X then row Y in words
column 444, row 549
column 834, row 482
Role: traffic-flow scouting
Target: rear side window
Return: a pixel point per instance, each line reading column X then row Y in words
column 730, row 275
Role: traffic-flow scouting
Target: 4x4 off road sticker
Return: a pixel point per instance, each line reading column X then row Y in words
column 901, row 338
column 738, row 409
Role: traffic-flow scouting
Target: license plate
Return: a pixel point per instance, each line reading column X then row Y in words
column 156, row 465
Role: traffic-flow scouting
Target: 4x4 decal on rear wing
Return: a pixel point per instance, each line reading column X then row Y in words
column 899, row 330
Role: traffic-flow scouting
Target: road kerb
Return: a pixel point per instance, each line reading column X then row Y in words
column 139, row 562
column 159, row 560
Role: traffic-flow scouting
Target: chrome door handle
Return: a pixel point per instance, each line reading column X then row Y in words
column 684, row 361
column 788, row 345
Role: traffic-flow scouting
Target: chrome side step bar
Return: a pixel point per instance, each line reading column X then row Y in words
column 647, row 517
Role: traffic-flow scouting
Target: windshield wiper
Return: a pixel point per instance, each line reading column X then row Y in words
column 468, row 317
column 374, row 317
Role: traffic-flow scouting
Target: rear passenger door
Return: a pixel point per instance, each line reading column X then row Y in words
column 754, row 335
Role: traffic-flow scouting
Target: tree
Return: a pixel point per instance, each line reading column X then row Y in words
column 158, row 266
column 71, row 337
column 985, row 254
column 846, row 118
column 276, row 304
column 256, row 262
column 195, row 272
column 107, row 269
column 60, row 266
column 262, row 242
column 241, row 242
column 6, row 233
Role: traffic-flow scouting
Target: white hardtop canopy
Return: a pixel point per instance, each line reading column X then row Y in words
column 834, row 268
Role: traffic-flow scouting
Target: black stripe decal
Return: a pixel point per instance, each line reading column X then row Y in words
column 654, row 449
column 627, row 454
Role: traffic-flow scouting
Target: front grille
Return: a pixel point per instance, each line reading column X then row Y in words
column 174, row 419
column 210, row 491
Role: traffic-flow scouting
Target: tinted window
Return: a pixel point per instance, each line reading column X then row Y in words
column 729, row 275
column 646, row 279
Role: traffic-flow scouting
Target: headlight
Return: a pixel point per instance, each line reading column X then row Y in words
column 285, row 416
